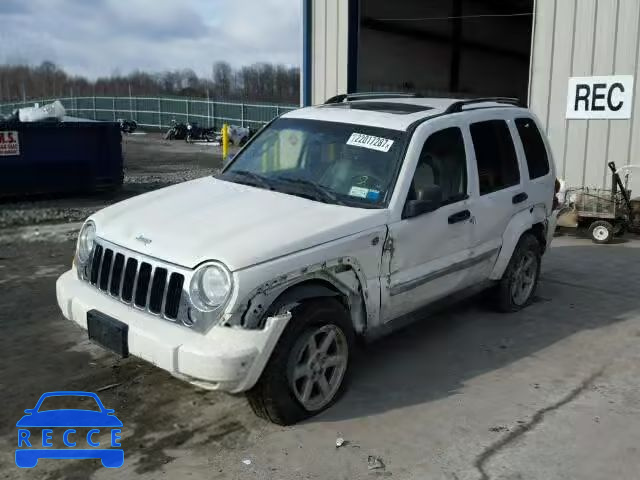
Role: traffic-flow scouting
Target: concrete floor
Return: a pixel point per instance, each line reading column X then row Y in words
column 548, row 393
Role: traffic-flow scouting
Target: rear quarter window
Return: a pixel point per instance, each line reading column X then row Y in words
column 534, row 147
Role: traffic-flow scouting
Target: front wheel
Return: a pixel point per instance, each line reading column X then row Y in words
column 308, row 368
column 518, row 284
column 601, row 232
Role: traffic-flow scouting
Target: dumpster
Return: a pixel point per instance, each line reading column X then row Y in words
column 73, row 155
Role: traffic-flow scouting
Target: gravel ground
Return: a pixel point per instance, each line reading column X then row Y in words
column 547, row 393
column 150, row 163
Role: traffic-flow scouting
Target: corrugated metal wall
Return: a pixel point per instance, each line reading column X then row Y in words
column 585, row 38
column 330, row 39
column 571, row 38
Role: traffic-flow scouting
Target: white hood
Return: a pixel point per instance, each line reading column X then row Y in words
column 209, row 219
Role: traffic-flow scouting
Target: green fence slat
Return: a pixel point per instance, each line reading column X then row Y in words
column 159, row 112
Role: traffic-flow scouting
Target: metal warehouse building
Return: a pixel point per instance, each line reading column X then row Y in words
column 533, row 50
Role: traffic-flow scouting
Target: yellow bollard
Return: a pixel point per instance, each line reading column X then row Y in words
column 225, row 141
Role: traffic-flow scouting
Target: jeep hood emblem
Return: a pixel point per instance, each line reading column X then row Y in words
column 143, row 239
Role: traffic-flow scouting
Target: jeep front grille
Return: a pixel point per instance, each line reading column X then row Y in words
column 136, row 280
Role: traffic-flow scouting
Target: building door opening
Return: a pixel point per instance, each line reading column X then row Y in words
column 464, row 48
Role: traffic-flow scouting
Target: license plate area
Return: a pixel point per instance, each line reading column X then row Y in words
column 108, row 332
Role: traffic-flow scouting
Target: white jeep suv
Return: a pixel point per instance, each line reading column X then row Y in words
column 334, row 222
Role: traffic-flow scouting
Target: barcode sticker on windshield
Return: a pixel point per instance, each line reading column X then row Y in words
column 369, row 141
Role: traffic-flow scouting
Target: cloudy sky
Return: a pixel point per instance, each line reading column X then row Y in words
column 99, row 37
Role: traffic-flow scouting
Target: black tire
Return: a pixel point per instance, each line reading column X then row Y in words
column 272, row 397
column 503, row 297
column 597, row 229
column 169, row 135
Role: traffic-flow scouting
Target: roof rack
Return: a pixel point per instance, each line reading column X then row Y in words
column 456, row 107
column 370, row 96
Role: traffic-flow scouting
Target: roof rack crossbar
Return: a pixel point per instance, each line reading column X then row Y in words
column 456, row 107
column 370, row 96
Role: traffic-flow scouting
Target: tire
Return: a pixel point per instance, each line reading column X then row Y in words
column 506, row 300
column 273, row 397
column 601, row 232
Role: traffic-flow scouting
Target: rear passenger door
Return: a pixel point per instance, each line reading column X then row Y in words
column 499, row 192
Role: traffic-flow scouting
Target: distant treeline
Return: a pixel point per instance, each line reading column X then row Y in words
column 263, row 82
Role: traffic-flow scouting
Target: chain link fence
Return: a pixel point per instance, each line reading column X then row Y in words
column 158, row 112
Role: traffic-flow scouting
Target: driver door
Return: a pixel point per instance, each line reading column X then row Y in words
column 428, row 255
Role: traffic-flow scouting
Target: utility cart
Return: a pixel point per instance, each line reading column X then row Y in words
column 604, row 213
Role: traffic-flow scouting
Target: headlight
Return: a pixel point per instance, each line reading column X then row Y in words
column 210, row 286
column 86, row 240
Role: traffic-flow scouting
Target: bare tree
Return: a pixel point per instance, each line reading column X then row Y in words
column 262, row 82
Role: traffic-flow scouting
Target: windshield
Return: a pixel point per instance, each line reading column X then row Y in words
column 330, row 162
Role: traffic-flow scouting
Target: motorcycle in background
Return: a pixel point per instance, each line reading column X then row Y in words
column 197, row 133
column 177, row 131
column 127, row 126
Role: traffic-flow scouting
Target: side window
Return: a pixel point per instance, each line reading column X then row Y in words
column 443, row 162
column 495, row 154
column 534, row 149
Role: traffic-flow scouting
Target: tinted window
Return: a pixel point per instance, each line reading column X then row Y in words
column 495, row 154
column 534, row 149
column 443, row 163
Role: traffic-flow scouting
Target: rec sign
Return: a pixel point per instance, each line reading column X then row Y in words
column 609, row 97
column 9, row 143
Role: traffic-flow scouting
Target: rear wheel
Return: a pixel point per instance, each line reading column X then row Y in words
column 518, row 284
column 601, row 232
column 308, row 369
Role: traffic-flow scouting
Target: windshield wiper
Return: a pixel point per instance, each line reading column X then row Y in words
column 322, row 194
column 258, row 180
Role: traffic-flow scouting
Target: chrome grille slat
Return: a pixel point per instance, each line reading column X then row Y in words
column 113, row 262
column 157, row 289
column 104, row 252
column 165, row 292
column 149, row 288
column 135, row 284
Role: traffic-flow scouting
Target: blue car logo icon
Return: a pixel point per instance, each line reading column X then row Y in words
column 69, row 422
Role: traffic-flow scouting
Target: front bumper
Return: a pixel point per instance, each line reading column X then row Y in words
column 224, row 358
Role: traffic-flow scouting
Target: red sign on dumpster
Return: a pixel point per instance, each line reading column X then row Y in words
column 9, row 143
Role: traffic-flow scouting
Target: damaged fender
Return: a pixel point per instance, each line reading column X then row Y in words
column 341, row 277
column 519, row 224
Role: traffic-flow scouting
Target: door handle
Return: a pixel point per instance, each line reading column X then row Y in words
column 459, row 217
column 519, row 198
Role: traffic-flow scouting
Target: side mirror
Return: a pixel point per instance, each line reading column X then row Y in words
column 29, row 411
column 428, row 200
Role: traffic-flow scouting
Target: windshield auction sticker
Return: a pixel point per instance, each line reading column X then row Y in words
column 370, row 141
column 9, row 144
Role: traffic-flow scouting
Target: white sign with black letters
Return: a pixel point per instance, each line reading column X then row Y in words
column 603, row 97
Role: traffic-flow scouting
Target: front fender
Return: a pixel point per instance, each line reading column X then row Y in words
column 520, row 223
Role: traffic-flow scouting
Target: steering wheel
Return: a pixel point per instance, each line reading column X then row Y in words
column 367, row 181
